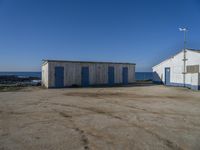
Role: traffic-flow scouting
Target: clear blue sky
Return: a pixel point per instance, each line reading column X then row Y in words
column 140, row 31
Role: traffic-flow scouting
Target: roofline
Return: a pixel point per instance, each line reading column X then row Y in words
column 193, row 50
column 73, row 61
column 167, row 59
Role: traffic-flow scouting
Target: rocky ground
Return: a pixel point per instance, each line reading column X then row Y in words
column 119, row 118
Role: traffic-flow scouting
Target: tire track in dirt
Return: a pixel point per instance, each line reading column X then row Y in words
column 167, row 142
column 81, row 132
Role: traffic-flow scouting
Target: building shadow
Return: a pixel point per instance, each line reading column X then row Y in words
column 157, row 79
column 135, row 84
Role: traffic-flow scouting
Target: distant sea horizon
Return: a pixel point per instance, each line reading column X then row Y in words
column 21, row 73
column 139, row 75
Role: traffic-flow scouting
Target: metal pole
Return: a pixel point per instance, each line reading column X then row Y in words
column 184, row 44
column 184, row 57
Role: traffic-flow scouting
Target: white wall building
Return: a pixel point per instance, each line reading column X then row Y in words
column 177, row 71
column 57, row 73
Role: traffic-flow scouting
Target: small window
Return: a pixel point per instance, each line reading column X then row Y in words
column 193, row 69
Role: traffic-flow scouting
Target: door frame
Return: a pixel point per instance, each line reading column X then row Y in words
column 167, row 68
column 83, row 83
column 125, row 73
column 111, row 75
column 59, row 83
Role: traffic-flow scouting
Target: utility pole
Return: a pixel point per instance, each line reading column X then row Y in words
column 184, row 30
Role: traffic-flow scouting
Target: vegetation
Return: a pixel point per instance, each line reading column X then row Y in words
column 9, row 88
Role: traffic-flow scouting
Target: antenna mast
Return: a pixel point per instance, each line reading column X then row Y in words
column 184, row 30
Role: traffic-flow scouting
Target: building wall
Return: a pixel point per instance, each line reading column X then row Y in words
column 176, row 66
column 176, row 69
column 98, row 73
column 45, row 75
column 199, row 81
column 193, row 58
column 192, row 80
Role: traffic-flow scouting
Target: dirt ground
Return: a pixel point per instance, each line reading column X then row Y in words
column 119, row 118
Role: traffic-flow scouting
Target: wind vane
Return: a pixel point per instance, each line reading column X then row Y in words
column 184, row 30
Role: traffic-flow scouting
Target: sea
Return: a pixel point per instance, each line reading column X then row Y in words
column 22, row 74
column 139, row 75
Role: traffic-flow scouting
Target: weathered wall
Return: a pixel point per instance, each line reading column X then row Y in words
column 192, row 80
column 98, row 72
column 45, row 75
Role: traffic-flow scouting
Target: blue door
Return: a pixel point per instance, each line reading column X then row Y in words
column 85, row 76
column 111, row 76
column 167, row 76
column 59, row 77
column 125, row 75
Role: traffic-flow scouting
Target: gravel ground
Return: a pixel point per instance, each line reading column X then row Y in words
column 119, row 118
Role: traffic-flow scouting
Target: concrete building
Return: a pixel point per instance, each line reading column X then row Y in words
column 56, row 73
column 183, row 69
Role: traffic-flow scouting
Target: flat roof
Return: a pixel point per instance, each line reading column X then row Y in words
column 73, row 61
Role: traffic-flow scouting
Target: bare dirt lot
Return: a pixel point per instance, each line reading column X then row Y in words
column 119, row 118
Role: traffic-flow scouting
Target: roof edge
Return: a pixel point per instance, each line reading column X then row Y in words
column 168, row 58
column 74, row 61
column 193, row 50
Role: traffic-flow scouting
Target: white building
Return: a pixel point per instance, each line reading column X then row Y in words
column 57, row 73
column 183, row 69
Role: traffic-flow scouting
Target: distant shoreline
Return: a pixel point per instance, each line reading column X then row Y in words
column 21, row 74
column 139, row 75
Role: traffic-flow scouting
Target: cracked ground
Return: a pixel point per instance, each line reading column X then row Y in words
column 118, row 118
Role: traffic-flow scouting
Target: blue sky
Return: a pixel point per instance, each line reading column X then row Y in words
column 140, row 31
